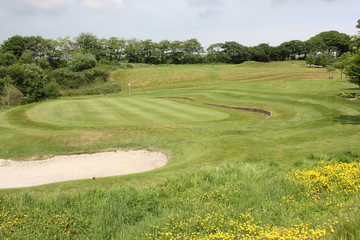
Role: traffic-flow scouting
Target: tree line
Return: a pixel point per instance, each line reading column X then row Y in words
column 33, row 68
column 58, row 52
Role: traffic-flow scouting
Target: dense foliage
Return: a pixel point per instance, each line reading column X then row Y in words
column 34, row 68
column 171, row 52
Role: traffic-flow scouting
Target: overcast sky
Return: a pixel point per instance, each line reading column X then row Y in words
column 248, row 22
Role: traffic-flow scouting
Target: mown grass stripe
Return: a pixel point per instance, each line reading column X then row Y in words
column 174, row 110
column 180, row 112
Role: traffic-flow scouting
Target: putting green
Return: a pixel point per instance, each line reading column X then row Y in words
column 120, row 112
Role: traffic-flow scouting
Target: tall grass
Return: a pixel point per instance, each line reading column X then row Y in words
column 252, row 199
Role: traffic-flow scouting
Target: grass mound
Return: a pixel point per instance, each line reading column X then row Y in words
column 114, row 111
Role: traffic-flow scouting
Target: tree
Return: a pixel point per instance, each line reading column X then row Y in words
column 15, row 45
column 355, row 40
column 322, row 59
column 132, row 51
column 81, row 62
column 216, row 54
column 192, row 50
column 353, row 70
column 343, row 62
column 329, row 42
column 38, row 46
column 148, row 52
column 236, row 52
column 261, row 53
column 11, row 96
column 164, row 49
column 88, row 43
column 65, row 47
column 293, row 49
column 176, row 52
column 115, row 48
column 29, row 79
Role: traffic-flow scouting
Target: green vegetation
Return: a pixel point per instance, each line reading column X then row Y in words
column 231, row 174
column 34, row 69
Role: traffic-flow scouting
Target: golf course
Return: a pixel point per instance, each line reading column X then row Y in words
column 230, row 174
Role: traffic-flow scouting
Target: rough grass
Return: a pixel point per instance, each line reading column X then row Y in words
column 309, row 119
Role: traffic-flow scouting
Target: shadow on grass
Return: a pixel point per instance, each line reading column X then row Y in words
column 348, row 119
column 350, row 89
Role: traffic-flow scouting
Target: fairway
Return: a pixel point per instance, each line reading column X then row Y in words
column 119, row 112
column 222, row 163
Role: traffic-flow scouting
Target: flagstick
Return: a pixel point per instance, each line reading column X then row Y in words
column 129, row 84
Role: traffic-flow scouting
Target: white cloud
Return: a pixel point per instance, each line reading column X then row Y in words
column 210, row 13
column 207, row 9
column 205, row 3
column 48, row 4
column 285, row 1
column 102, row 3
column 33, row 7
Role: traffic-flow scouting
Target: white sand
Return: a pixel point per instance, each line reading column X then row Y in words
column 14, row 174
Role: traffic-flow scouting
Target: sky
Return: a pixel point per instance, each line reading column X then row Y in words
column 248, row 22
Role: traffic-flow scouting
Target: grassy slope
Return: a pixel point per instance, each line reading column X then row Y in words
column 308, row 118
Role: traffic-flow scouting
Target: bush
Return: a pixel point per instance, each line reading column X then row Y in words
column 353, row 70
column 11, row 96
column 347, row 95
column 66, row 78
column 98, row 89
column 29, row 79
column 126, row 66
column 52, row 90
column 80, row 62
column 44, row 63
column 7, row 59
column 323, row 59
column 69, row 79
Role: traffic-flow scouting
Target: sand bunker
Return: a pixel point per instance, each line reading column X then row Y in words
column 14, row 174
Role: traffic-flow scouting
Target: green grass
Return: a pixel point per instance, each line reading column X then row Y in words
column 208, row 148
column 119, row 112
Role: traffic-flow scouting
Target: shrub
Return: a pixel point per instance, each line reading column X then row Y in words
column 80, row 62
column 44, row 63
column 347, row 95
column 323, row 59
column 98, row 89
column 66, row 78
column 329, row 177
column 7, row 59
column 52, row 90
column 11, row 96
column 69, row 79
column 29, row 79
column 353, row 70
column 126, row 66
